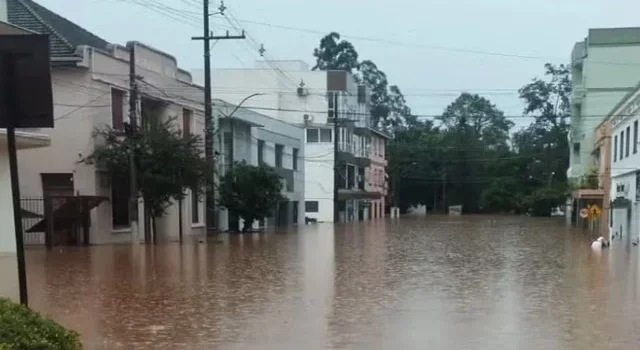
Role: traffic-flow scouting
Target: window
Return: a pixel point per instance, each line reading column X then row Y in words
column 325, row 135
column 260, row 152
column 312, row 136
column 626, row 146
column 615, row 148
column 622, row 144
column 195, row 206
column 295, row 158
column 295, row 212
column 311, row 206
column 227, row 150
column 279, row 155
column 635, row 137
column 117, row 109
column 187, row 119
column 120, row 202
column 331, row 96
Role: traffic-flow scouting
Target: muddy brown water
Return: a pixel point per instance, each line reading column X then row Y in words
column 434, row 283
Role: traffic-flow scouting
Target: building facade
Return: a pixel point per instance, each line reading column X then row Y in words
column 91, row 90
column 247, row 136
column 625, row 169
column 604, row 69
column 289, row 91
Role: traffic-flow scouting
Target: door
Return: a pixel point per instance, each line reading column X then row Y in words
column 60, row 187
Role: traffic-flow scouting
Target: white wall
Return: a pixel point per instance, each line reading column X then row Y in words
column 320, row 181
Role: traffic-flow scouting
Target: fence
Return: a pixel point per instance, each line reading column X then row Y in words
column 32, row 212
column 57, row 220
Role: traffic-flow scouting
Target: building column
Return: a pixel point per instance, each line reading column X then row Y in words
column 9, row 287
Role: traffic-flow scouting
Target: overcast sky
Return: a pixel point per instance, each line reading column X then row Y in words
column 432, row 49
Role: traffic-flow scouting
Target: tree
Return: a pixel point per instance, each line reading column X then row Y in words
column 389, row 109
column 251, row 192
column 544, row 143
column 166, row 161
column 376, row 81
column 335, row 54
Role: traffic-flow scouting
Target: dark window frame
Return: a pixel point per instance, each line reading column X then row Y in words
column 628, row 141
column 615, row 148
column 315, row 131
column 635, row 137
column 195, row 207
column 325, row 132
column 622, row 145
column 187, row 121
column 295, row 155
column 117, row 109
column 261, row 145
column 279, row 155
column 311, row 206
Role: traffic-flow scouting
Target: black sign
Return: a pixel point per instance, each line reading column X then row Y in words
column 25, row 81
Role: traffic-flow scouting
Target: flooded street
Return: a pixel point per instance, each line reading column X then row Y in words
column 436, row 283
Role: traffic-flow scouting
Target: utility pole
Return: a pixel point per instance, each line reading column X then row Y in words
column 209, row 122
column 336, row 163
column 133, row 130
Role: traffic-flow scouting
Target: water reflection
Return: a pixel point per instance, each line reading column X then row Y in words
column 437, row 283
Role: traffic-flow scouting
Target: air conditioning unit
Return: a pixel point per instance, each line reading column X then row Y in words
column 302, row 91
column 308, row 118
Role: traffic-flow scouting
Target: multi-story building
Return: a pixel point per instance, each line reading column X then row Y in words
column 245, row 135
column 625, row 168
column 90, row 90
column 604, row 68
column 291, row 92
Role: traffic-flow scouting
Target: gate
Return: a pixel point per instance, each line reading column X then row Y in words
column 58, row 220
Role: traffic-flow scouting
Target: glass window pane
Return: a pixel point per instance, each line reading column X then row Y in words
column 325, row 135
column 312, row 135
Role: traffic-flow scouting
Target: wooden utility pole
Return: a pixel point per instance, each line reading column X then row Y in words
column 209, row 122
column 132, row 133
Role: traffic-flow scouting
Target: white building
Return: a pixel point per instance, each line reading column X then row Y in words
column 625, row 168
column 604, row 69
column 291, row 92
column 255, row 138
column 8, row 260
column 90, row 90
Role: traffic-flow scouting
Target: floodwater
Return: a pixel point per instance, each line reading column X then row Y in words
column 421, row 283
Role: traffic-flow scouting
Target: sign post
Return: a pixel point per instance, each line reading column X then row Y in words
column 26, row 101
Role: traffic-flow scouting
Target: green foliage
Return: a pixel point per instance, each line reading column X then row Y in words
column 542, row 201
column 335, row 54
column 251, row 192
column 24, row 329
column 389, row 109
column 166, row 162
column 468, row 157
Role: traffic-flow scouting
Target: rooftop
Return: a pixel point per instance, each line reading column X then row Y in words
column 65, row 36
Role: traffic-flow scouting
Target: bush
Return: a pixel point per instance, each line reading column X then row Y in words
column 24, row 329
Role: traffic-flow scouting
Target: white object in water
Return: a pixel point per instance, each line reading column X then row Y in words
column 599, row 243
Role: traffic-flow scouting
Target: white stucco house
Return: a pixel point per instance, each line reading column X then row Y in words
column 625, row 168
column 90, row 78
column 8, row 260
